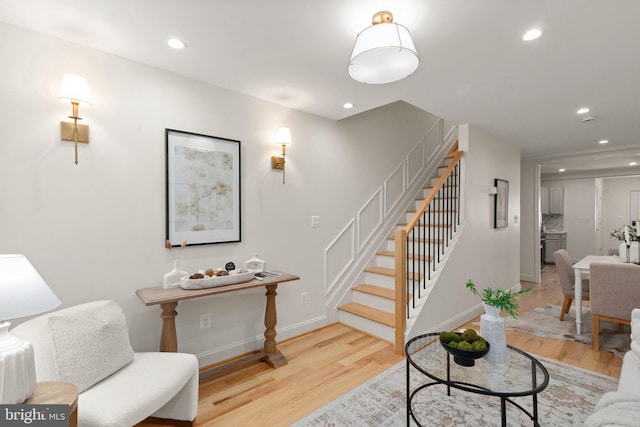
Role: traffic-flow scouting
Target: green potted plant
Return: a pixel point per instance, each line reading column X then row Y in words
column 496, row 300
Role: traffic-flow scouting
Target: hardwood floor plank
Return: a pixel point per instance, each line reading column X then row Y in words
column 326, row 363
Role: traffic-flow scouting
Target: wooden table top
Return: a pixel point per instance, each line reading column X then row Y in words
column 54, row 392
column 159, row 295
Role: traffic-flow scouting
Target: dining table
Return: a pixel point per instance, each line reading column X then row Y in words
column 581, row 267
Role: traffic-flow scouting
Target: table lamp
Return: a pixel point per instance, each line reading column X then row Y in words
column 22, row 293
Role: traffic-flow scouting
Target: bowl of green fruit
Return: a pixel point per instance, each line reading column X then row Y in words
column 465, row 346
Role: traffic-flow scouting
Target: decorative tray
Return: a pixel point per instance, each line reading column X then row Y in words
column 212, row 282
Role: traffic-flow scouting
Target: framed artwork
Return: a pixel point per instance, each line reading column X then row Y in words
column 202, row 188
column 501, row 203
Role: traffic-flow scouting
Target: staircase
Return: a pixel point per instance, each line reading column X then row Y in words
column 396, row 286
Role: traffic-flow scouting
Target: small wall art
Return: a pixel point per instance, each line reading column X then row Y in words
column 501, row 204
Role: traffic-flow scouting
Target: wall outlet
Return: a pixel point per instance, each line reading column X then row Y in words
column 303, row 298
column 315, row 221
column 205, row 321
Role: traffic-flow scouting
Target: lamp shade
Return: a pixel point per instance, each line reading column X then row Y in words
column 22, row 291
column 74, row 88
column 283, row 137
column 383, row 53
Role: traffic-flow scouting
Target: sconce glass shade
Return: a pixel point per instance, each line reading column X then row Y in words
column 75, row 88
column 283, row 137
column 383, row 53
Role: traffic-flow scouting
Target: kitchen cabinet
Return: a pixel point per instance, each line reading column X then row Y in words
column 554, row 241
column 544, row 200
column 556, row 200
column 552, row 200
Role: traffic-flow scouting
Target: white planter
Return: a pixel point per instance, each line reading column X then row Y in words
column 633, row 252
column 492, row 329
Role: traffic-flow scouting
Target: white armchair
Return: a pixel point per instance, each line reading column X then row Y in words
column 88, row 345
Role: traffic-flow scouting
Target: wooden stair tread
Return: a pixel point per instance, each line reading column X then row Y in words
column 435, row 225
column 370, row 313
column 390, row 272
column 381, row 270
column 421, row 240
column 410, row 256
column 378, row 291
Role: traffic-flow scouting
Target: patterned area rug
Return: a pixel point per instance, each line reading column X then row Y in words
column 568, row 400
column 545, row 322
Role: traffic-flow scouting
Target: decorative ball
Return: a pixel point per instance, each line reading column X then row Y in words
column 229, row 266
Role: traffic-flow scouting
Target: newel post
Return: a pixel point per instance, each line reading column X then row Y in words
column 401, row 289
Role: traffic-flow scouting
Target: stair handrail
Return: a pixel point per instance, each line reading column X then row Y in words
column 455, row 159
column 401, row 250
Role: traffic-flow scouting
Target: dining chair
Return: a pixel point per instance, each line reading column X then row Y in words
column 615, row 292
column 567, row 278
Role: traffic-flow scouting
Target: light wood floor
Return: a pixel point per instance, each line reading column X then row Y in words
column 326, row 363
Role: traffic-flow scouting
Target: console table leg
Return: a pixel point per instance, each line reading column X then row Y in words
column 272, row 355
column 168, row 339
column 503, row 411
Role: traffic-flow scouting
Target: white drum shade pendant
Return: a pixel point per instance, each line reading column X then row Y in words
column 383, row 52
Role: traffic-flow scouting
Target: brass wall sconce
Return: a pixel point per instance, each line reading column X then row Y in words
column 283, row 137
column 75, row 90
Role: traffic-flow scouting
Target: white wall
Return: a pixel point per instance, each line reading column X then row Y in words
column 488, row 256
column 616, row 208
column 579, row 214
column 97, row 230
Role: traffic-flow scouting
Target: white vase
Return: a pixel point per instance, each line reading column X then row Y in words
column 172, row 278
column 491, row 311
column 633, row 252
column 492, row 329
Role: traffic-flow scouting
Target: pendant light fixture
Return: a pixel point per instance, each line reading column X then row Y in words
column 383, row 52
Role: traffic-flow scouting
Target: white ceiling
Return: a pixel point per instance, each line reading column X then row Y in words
column 474, row 66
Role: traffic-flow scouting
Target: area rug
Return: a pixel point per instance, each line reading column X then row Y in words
column 568, row 400
column 545, row 322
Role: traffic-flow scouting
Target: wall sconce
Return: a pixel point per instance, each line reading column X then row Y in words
column 283, row 137
column 74, row 89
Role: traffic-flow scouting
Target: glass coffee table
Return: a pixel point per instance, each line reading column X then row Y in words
column 520, row 375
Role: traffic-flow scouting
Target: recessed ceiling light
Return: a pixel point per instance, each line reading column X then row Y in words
column 633, row 163
column 532, row 34
column 347, row 105
column 561, row 170
column 603, row 141
column 176, row 43
column 583, row 110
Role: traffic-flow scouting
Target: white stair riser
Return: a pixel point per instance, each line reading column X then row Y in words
column 379, row 280
column 450, row 189
column 385, row 261
column 448, row 205
column 433, row 217
column 434, row 179
column 374, row 301
column 369, row 326
column 389, row 262
column 433, row 237
column 390, row 246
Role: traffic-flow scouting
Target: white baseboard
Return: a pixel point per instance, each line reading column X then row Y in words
column 237, row 348
column 527, row 278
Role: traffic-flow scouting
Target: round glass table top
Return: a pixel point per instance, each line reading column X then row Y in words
column 520, row 375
